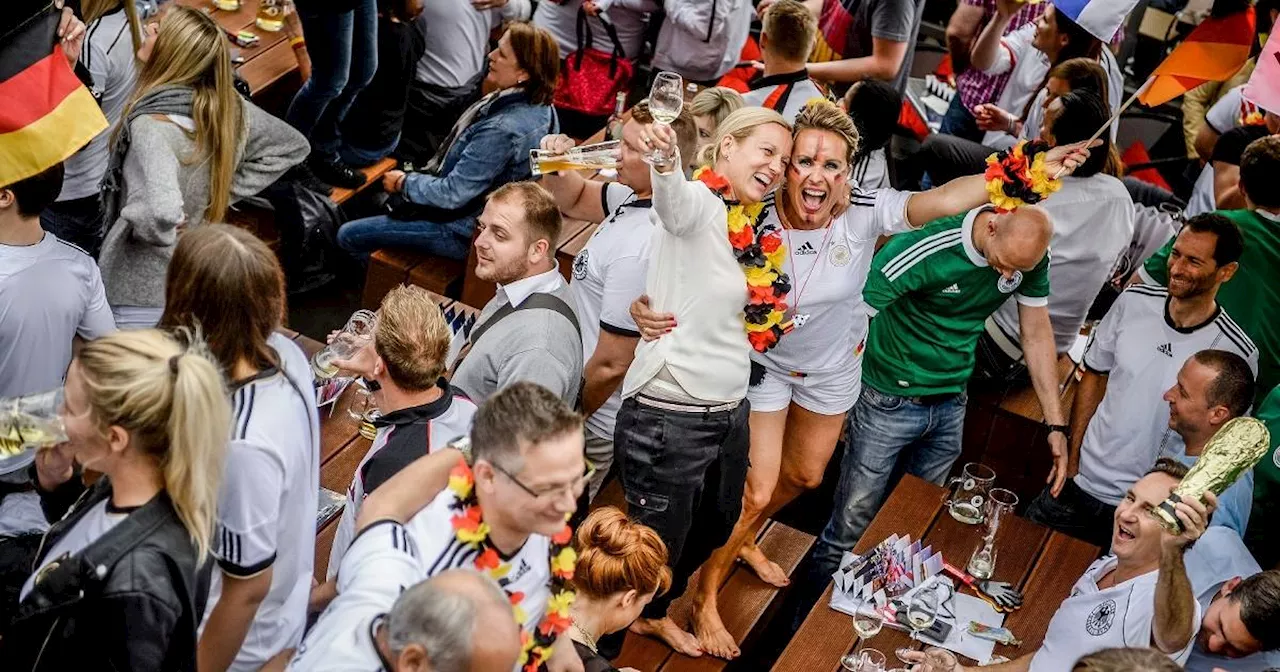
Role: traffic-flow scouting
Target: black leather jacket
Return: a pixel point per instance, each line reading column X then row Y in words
column 131, row 600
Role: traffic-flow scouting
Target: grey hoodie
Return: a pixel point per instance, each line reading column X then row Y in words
column 163, row 190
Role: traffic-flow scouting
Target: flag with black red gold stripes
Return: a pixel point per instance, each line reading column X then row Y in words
column 46, row 113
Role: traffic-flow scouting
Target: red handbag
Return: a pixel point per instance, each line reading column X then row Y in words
column 591, row 79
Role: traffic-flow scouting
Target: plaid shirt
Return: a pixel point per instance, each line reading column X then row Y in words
column 975, row 86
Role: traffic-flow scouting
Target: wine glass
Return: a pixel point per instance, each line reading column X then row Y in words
column 867, row 623
column 922, row 611
column 868, row 660
column 666, row 100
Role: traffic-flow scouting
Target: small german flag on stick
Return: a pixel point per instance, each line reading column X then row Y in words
column 47, row 114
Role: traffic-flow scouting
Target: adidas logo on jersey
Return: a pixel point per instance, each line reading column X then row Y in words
column 1166, row 349
column 806, row 249
column 954, row 289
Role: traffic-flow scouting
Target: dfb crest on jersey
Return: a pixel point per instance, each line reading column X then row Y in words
column 1101, row 618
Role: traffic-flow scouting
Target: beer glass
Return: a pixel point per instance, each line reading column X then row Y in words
column 599, row 156
column 1000, row 503
column 30, row 422
column 357, row 332
column 969, row 493
column 270, row 15
column 227, row 5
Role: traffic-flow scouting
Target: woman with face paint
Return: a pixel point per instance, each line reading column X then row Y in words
column 801, row 389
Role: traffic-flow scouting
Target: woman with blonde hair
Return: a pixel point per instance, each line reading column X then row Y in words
column 186, row 148
column 710, row 107
column 801, row 389
column 113, row 37
column 681, row 434
column 228, row 283
column 116, row 582
column 622, row 566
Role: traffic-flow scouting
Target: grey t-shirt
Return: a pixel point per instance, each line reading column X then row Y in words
column 458, row 39
column 108, row 54
column 535, row 345
column 846, row 29
column 560, row 18
column 50, row 293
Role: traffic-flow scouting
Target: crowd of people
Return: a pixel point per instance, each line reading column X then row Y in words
column 774, row 291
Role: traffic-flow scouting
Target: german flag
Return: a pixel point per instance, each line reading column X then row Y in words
column 47, row 114
column 1213, row 52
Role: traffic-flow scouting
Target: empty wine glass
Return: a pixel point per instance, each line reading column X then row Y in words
column 868, row 660
column 666, row 100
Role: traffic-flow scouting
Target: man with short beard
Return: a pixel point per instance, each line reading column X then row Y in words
column 1119, row 425
column 529, row 330
column 1241, row 606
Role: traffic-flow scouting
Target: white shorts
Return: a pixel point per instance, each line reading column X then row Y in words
column 826, row 393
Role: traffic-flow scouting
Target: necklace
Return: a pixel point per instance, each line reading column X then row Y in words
column 759, row 251
column 470, row 530
column 800, row 318
column 591, row 641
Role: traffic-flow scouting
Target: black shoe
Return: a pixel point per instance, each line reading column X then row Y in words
column 336, row 173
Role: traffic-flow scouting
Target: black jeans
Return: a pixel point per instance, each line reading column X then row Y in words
column 77, row 221
column 429, row 115
column 946, row 157
column 1074, row 512
column 683, row 474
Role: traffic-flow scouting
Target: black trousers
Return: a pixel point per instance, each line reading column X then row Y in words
column 683, row 474
column 1074, row 512
column 77, row 221
column 946, row 157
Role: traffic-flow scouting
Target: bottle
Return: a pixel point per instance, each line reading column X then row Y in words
column 613, row 128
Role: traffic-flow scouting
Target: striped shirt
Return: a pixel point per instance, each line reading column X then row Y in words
column 975, row 86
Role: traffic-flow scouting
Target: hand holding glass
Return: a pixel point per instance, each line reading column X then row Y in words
column 357, row 332
column 666, row 100
column 30, row 422
column 598, row 156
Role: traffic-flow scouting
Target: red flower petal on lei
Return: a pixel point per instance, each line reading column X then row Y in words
column 516, row 597
column 770, row 242
column 488, row 560
column 468, row 520
column 553, row 624
column 762, row 340
column 760, row 295
column 741, row 239
column 717, row 182
column 563, row 537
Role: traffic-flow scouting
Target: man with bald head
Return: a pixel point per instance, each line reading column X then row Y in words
column 930, row 291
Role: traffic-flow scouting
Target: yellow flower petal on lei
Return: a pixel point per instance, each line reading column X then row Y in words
column 500, row 572
column 559, row 603
column 776, row 257
column 564, row 562
column 737, row 219
column 760, row 277
column 774, row 317
column 1041, row 182
column 519, row 613
column 460, row 485
column 475, row 536
column 753, row 211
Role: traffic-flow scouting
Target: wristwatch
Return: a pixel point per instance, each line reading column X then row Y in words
column 1065, row 429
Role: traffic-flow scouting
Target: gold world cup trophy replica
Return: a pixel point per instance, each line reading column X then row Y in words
column 1236, row 447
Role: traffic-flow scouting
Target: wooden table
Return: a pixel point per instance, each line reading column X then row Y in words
column 1044, row 564
column 267, row 62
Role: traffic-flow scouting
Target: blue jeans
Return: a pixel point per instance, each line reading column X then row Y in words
column 363, row 237
column 888, row 436
column 344, row 57
column 959, row 122
column 359, row 157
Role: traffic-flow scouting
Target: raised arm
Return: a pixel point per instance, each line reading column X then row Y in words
column 576, row 196
column 675, row 199
column 961, row 31
column 1177, row 614
column 985, row 54
column 409, row 491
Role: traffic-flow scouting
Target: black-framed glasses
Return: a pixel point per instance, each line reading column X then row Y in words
column 575, row 488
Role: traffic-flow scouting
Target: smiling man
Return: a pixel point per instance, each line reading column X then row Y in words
column 1138, row 596
column 1119, row 423
column 529, row 330
column 1241, row 604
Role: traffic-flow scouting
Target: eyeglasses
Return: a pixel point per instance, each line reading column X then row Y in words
column 574, row 488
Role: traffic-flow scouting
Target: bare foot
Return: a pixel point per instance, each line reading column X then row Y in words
column 666, row 630
column 710, row 630
column 768, row 571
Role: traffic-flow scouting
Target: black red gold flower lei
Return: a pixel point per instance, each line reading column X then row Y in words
column 470, row 529
column 1017, row 176
column 759, row 250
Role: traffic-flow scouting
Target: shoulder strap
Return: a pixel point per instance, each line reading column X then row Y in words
column 539, row 300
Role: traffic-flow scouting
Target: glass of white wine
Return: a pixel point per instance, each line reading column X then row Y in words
column 922, row 611
column 666, row 100
column 30, row 422
column 357, row 332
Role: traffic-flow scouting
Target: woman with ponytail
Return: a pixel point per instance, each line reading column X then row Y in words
column 116, row 581
column 187, row 147
column 622, row 566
